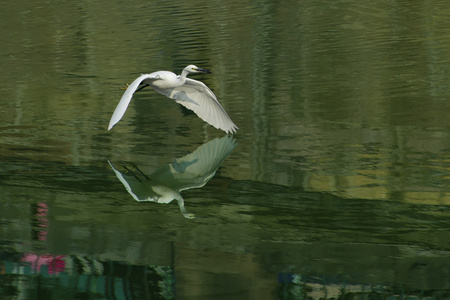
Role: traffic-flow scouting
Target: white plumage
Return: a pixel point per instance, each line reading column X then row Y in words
column 190, row 93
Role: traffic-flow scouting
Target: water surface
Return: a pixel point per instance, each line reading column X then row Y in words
column 339, row 184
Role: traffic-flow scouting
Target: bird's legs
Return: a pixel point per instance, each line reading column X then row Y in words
column 142, row 87
column 131, row 170
column 124, row 88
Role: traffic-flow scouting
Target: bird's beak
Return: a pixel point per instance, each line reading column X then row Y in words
column 202, row 70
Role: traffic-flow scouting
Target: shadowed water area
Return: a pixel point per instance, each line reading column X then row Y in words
column 336, row 184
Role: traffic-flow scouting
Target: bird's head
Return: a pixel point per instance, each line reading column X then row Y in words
column 195, row 69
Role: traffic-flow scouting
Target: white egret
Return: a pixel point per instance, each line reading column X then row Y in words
column 165, row 183
column 190, row 93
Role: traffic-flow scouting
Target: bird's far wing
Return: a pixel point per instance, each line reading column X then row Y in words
column 125, row 100
column 196, row 96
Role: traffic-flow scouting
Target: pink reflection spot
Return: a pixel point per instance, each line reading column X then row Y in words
column 55, row 263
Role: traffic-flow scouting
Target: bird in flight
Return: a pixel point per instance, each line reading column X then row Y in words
column 190, row 93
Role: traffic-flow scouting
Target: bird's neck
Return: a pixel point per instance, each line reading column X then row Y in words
column 183, row 76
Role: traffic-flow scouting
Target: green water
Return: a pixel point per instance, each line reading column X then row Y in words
column 339, row 185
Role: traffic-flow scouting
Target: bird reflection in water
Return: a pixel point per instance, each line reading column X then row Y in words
column 165, row 184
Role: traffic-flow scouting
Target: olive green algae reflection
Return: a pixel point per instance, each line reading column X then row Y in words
column 339, row 187
column 326, row 243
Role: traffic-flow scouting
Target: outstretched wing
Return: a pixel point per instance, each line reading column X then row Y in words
column 196, row 96
column 126, row 98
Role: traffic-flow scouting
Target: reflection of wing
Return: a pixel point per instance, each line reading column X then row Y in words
column 143, row 189
column 195, row 169
column 137, row 188
column 196, row 96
